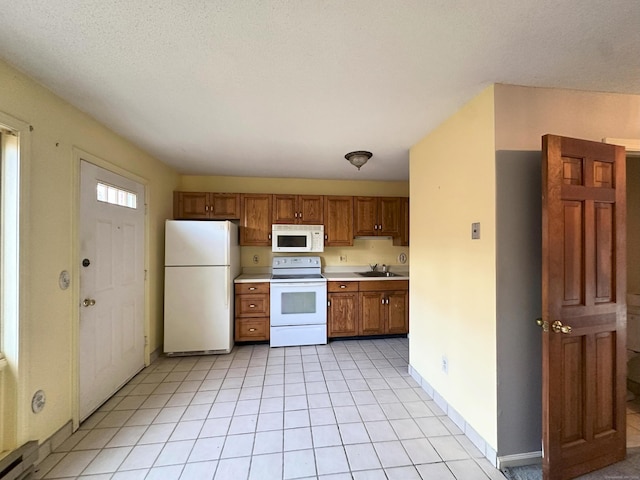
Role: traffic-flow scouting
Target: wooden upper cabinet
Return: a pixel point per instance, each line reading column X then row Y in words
column 224, row 206
column 255, row 219
column 298, row 209
column 206, row 206
column 338, row 221
column 377, row 216
column 403, row 238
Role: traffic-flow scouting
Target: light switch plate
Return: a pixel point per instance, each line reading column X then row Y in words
column 475, row 231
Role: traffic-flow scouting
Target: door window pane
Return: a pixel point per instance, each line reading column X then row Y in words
column 116, row 196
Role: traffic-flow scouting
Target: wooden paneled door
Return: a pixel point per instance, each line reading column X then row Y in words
column 583, row 306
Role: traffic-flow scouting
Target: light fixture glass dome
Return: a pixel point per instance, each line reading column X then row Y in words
column 358, row 158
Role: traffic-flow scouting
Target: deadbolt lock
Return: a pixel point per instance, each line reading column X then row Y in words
column 543, row 324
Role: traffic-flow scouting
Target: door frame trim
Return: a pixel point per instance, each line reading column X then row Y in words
column 78, row 155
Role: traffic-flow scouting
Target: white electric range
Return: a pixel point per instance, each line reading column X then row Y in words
column 298, row 302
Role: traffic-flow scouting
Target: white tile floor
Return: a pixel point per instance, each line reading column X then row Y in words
column 339, row 411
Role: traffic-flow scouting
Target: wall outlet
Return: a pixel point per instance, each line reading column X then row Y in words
column 256, row 259
column 445, row 364
column 343, row 258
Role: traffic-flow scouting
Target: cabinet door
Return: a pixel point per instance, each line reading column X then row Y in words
column 403, row 238
column 389, row 216
column 190, row 205
column 365, row 213
column 224, row 206
column 342, row 317
column 372, row 311
column 255, row 221
column 338, row 224
column 397, row 312
column 311, row 209
column 285, row 209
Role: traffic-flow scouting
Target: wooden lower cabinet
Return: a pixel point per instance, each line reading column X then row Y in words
column 252, row 312
column 384, row 307
column 367, row 308
column 343, row 311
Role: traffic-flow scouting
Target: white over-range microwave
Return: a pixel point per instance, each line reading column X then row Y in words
column 297, row 238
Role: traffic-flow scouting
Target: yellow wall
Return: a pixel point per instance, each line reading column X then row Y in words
column 48, row 329
column 453, row 278
column 296, row 186
column 363, row 251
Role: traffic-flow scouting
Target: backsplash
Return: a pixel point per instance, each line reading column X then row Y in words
column 363, row 252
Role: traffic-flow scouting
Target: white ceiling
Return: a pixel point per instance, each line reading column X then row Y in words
column 287, row 87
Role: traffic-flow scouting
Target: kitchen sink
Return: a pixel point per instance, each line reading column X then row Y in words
column 378, row 274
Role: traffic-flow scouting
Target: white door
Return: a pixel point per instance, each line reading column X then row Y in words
column 112, row 219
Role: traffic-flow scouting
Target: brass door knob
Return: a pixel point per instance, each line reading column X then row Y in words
column 558, row 327
column 88, row 302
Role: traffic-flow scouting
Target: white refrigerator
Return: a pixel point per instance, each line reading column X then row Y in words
column 202, row 258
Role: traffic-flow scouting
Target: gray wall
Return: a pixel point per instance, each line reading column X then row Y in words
column 519, row 303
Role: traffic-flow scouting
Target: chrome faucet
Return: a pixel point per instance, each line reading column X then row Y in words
column 384, row 268
column 374, row 267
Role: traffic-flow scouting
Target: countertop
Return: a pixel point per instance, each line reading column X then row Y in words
column 330, row 276
column 253, row 278
column 354, row 277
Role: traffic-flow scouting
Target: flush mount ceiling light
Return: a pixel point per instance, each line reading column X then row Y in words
column 359, row 158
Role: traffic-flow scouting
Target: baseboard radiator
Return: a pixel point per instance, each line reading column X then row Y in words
column 19, row 464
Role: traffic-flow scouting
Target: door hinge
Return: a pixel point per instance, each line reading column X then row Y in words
column 145, row 274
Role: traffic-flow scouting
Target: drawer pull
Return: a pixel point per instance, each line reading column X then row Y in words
column 252, row 329
column 343, row 286
column 252, row 306
column 252, row 288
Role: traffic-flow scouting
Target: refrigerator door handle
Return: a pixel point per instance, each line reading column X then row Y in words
column 226, row 293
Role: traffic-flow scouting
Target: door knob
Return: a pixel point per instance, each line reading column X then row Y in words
column 558, row 327
column 88, row 302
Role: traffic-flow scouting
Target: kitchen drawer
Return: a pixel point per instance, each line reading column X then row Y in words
column 243, row 288
column 342, row 287
column 252, row 305
column 384, row 285
column 251, row 330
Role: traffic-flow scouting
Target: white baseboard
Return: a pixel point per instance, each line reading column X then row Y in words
column 475, row 438
column 520, row 459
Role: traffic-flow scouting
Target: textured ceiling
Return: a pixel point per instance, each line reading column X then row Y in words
column 287, row 87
